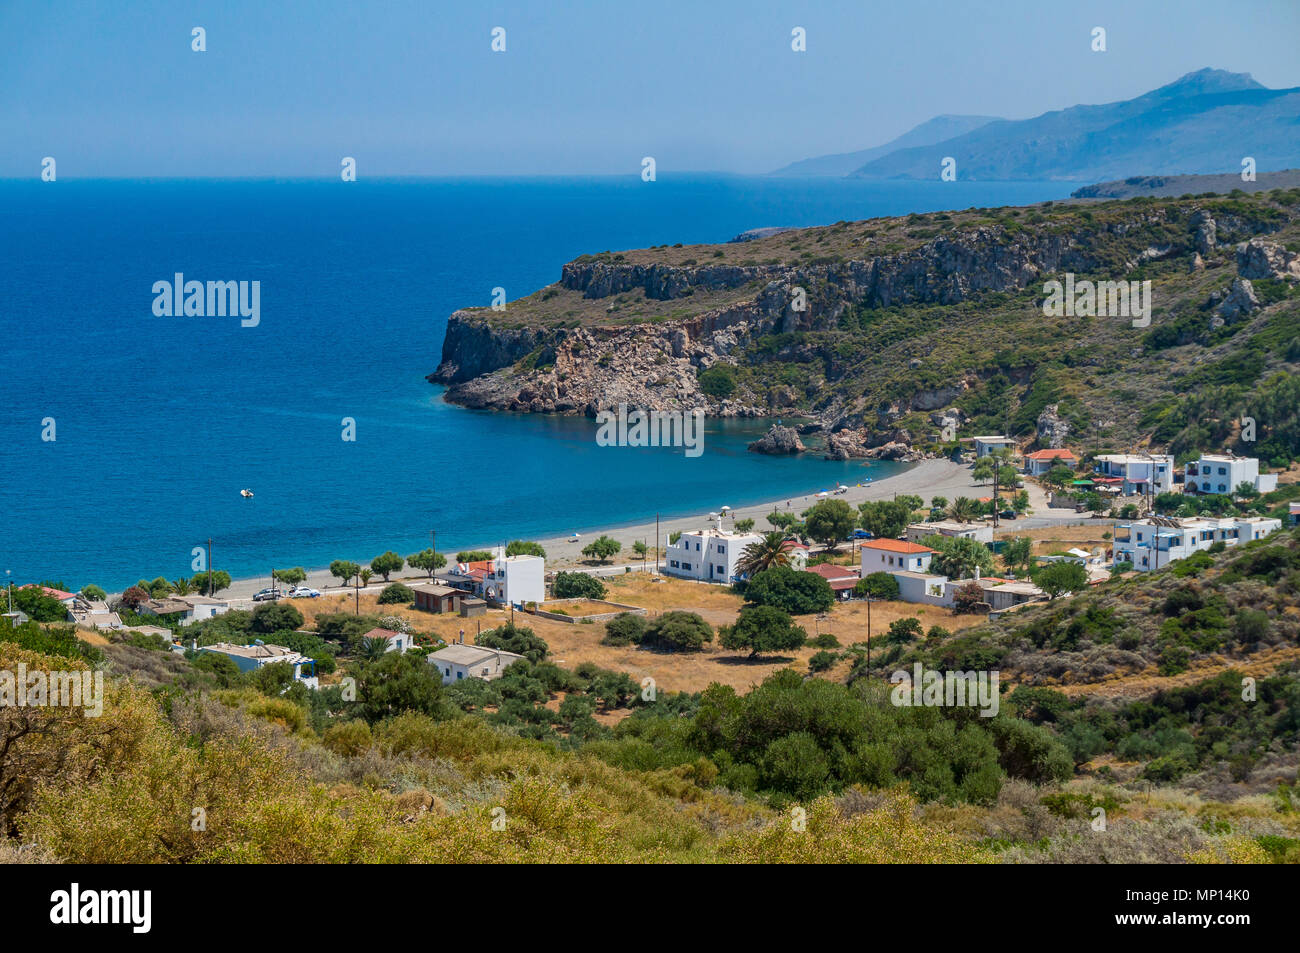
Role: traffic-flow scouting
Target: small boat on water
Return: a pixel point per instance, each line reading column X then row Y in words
column 246, row 494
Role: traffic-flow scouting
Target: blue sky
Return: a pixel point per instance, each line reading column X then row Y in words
column 411, row 87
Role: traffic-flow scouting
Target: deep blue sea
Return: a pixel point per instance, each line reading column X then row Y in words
column 160, row 421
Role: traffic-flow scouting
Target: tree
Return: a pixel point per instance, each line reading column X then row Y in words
column 275, row 617
column 1007, row 476
column 577, row 585
column 902, row 631
column 387, row 563
column 159, row 588
column 427, row 560
column 181, row 586
column 94, row 593
column 363, row 575
column 763, row 629
column 1020, row 502
column 763, row 554
column 939, row 503
column 521, row 547
column 982, row 472
column 963, row 509
column 795, row 592
column 718, row 381
column 1017, row 551
column 290, row 577
column 744, row 526
column 211, row 582
column 968, row 598
column 396, row 593
column 829, row 522
column 878, row 585
column 518, row 639
column 639, row 547
column 473, row 556
column 885, row 519
column 602, row 549
column 1057, row 578
column 1245, row 491
column 343, row 570
column 133, row 598
column 959, row 556
column 1057, row 477
column 781, row 520
column 679, row 631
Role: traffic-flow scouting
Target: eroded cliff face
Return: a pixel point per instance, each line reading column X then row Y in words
column 654, row 365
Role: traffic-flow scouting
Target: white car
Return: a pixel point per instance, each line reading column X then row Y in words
column 304, row 592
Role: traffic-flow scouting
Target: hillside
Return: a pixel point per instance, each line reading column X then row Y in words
column 927, row 133
column 1204, row 122
column 908, row 319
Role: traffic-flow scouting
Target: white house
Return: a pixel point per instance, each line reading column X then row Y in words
column 1138, row 473
column 1041, row 461
column 516, row 579
column 796, row 554
column 894, row 555
column 93, row 614
column 189, row 608
column 981, row 532
column 457, row 662
column 249, row 658
column 709, row 555
column 986, row 445
column 398, row 642
column 1008, row 595
column 1223, row 473
column 1154, row 543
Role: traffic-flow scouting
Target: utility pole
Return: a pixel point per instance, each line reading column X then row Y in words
column 357, row 594
column 868, row 634
column 995, row 492
column 209, row 567
column 656, row 544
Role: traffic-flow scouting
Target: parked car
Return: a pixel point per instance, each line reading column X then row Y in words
column 861, row 534
column 304, row 592
column 265, row 595
column 1008, row 514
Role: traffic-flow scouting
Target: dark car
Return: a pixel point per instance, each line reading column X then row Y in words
column 1008, row 514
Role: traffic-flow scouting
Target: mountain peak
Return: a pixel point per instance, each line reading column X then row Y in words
column 1208, row 80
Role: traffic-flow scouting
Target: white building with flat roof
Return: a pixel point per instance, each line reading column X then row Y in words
column 707, row 555
column 983, row 532
column 249, row 658
column 1139, row 473
column 1223, row 473
column 457, row 662
column 516, row 580
column 1151, row 544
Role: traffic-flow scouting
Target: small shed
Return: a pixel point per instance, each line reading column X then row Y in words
column 470, row 607
column 438, row 598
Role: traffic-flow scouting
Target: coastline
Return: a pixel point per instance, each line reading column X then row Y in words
column 928, row 478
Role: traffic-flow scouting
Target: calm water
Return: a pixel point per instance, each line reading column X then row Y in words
column 160, row 422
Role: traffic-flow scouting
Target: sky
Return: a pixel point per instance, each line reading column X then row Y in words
column 412, row 87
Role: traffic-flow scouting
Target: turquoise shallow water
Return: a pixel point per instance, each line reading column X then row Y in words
column 160, row 421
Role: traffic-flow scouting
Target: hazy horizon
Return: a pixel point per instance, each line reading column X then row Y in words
column 285, row 91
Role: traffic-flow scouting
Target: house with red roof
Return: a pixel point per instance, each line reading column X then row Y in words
column 894, row 555
column 1040, row 461
column 842, row 579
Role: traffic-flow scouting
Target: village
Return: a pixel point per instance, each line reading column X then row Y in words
column 1052, row 522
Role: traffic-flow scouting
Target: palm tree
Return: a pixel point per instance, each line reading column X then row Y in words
column 364, row 575
column 372, row 649
column 963, row 509
column 767, row 552
column 182, row 586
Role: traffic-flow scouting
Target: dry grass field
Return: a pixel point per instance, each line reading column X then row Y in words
column 574, row 643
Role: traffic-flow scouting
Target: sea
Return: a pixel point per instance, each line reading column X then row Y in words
column 126, row 437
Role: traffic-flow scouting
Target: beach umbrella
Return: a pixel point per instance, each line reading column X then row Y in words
column 823, row 493
column 725, row 508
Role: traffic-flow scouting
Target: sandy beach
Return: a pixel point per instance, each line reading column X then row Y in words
column 927, row 479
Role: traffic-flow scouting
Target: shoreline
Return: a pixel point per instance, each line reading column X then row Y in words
column 937, row 477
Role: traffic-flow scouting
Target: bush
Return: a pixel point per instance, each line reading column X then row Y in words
column 577, row 585
column 821, row 661
column 678, row 631
column 396, row 593
column 718, row 381
column 521, row 547
column 763, row 629
column 626, row 628
column 275, row 617
column 518, row 639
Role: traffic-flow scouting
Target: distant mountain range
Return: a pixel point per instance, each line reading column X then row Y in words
column 1205, row 122
column 927, row 134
